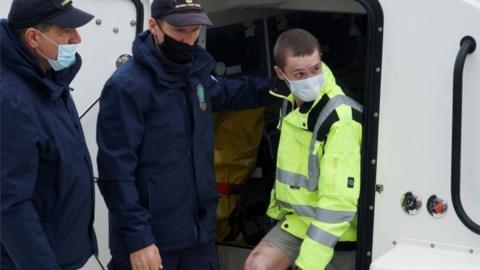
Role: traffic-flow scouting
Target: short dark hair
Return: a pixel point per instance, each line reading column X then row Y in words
column 42, row 27
column 296, row 42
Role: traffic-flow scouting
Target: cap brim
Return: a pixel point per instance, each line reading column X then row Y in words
column 71, row 18
column 188, row 18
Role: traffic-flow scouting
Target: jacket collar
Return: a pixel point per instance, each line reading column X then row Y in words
column 146, row 52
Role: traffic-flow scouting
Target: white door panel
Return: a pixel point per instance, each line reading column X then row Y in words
column 421, row 41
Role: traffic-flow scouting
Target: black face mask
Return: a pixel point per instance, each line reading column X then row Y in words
column 176, row 51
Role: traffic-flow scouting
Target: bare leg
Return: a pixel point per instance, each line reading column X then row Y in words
column 266, row 256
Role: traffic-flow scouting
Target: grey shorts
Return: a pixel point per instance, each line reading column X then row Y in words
column 286, row 242
column 290, row 245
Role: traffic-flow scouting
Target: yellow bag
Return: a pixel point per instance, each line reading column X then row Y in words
column 237, row 138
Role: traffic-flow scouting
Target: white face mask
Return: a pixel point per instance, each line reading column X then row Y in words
column 308, row 89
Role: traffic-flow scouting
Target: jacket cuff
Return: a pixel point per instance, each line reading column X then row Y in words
column 313, row 255
column 139, row 240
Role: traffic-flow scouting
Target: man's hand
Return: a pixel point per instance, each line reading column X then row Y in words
column 146, row 259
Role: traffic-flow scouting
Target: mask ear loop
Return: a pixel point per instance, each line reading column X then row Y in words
column 45, row 36
column 42, row 54
column 287, row 81
column 156, row 39
column 155, row 36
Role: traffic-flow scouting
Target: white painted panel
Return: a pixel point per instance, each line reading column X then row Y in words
column 417, row 255
column 421, row 41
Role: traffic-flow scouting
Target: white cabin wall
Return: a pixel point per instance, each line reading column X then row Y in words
column 421, row 41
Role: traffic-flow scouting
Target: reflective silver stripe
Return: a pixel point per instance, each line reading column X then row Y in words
column 283, row 112
column 296, row 180
column 322, row 236
column 320, row 214
column 333, row 103
column 332, row 216
column 301, row 210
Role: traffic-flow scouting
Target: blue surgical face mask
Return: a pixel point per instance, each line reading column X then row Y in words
column 65, row 55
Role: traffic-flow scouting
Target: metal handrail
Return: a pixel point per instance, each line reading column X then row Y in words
column 140, row 15
column 467, row 46
column 90, row 107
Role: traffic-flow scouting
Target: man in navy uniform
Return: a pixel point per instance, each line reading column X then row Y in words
column 46, row 172
column 155, row 139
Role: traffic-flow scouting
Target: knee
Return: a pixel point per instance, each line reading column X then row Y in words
column 255, row 262
column 249, row 263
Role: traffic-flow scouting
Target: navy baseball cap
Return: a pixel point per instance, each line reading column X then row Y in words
column 27, row 13
column 180, row 12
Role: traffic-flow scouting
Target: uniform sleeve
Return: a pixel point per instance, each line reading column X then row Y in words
column 274, row 211
column 120, row 129
column 22, row 233
column 339, row 192
column 238, row 94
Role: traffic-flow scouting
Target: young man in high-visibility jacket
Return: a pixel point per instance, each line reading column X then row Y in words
column 317, row 181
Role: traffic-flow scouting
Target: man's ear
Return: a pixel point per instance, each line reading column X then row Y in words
column 31, row 37
column 279, row 72
column 155, row 30
column 152, row 24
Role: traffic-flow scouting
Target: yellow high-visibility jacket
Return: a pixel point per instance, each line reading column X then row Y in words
column 318, row 172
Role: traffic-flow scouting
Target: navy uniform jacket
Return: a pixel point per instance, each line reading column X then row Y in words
column 46, row 173
column 155, row 139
